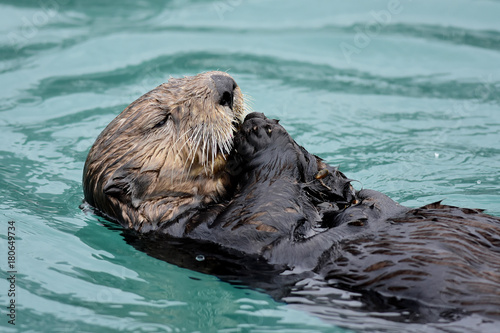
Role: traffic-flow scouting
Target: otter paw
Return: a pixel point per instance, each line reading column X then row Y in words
column 259, row 133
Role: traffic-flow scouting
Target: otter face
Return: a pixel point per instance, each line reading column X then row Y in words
column 198, row 117
column 168, row 145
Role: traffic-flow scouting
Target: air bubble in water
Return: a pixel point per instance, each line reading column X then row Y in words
column 200, row 257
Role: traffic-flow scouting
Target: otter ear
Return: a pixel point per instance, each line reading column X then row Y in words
column 118, row 185
column 128, row 187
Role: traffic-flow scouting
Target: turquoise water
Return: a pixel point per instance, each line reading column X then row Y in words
column 403, row 95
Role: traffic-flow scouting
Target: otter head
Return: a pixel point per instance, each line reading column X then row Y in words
column 165, row 154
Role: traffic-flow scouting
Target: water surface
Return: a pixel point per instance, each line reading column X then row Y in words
column 403, row 96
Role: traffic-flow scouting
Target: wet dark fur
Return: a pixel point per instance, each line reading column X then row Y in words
column 289, row 211
column 437, row 257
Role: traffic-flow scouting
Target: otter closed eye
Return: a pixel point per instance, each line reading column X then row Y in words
column 163, row 121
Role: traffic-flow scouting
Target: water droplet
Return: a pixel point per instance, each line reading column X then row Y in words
column 436, row 155
column 200, row 257
column 478, row 182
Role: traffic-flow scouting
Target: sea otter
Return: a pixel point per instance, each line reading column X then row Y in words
column 184, row 163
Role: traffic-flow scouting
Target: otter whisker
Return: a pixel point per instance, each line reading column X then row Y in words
column 204, row 157
column 212, row 142
column 247, row 106
column 195, row 138
column 209, row 146
column 175, row 150
column 190, row 150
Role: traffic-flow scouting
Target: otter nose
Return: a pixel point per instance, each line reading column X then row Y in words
column 225, row 86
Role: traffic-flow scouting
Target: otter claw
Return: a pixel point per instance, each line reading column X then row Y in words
column 321, row 174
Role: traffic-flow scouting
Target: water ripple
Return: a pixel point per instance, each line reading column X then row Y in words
column 415, row 114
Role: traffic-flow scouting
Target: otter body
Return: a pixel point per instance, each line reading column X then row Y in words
column 257, row 194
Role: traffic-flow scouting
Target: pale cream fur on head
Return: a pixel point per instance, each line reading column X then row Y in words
column 165, row 151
